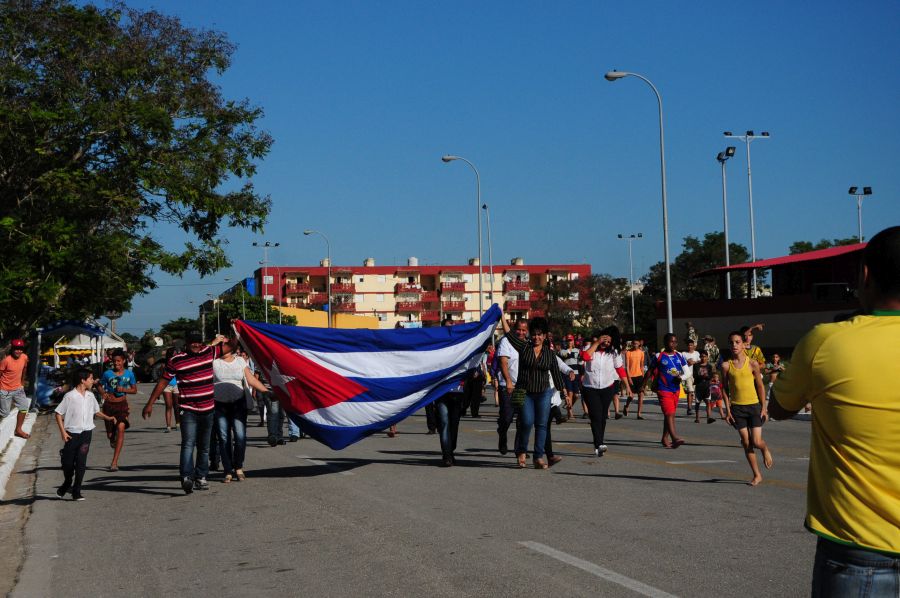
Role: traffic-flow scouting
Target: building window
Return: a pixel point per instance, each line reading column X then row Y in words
column 268, row 279
column 467, row 277
column 360, row 279
column 359, row 298
column 382, row 278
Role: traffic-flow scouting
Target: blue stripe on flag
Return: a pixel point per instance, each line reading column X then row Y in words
column 333, row 340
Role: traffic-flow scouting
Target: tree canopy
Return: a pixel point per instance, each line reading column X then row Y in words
column 696, row 256
column 111, row 128
column 585, row 303
column 805, row 246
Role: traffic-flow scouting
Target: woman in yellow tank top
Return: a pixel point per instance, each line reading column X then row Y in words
column 741, row 383
column 745, row 405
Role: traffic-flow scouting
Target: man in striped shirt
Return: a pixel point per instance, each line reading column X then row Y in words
column 194, row 371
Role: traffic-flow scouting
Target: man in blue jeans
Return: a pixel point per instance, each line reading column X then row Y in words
column 847, row 372
column 194, row 371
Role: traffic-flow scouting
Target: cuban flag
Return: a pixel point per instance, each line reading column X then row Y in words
column 347, row 384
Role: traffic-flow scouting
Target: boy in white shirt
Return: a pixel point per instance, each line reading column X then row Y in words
column 75, row 418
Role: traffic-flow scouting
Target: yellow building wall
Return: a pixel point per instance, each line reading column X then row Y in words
column 319, row 319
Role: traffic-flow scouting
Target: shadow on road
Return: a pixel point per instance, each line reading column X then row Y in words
column 647, row 478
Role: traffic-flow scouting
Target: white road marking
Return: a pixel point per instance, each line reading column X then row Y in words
column 700, row 462
column 325, row 464
column 608, row 575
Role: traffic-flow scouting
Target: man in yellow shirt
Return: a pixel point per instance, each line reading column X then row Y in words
column 853, row 489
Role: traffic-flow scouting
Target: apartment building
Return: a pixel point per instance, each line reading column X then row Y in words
column 413, row 295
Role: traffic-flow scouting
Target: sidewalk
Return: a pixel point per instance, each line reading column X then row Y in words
column 11, row 446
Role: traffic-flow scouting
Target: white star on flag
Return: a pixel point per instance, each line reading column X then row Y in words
column 278, row 379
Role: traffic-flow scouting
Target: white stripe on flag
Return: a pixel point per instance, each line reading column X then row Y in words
column 349, row 413
column 395, row 364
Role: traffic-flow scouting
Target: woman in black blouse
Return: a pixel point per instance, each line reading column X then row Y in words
column 535, row 361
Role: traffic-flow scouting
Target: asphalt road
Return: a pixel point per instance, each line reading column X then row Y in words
column 380, row 518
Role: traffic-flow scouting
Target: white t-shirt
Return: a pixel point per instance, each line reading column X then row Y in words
column 78, row 411
column 600, row 372
column 228, row 379
column 691, row 357
column 505, row 349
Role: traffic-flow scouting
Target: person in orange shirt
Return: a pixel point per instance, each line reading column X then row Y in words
column 635, row 365
column 13, row 369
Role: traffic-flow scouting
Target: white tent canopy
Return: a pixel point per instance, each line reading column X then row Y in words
column 96, row 344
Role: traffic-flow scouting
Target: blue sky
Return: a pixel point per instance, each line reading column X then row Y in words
column 363, row 98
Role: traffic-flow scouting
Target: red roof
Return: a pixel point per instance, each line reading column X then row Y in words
column 809, row 256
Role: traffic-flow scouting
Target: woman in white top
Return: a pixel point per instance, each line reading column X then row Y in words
column 603, row 368
column 230, row 373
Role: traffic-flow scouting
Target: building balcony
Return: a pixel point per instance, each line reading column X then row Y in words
column 567, row 304
column 537, row 295
column 537, row 313
column 518, row 305
column 297, row 288
column 343, row 288
column 459, row 287
column 317, row 299
column 429, row 296
column 515, row 285
column 431, row 315
column 344, row 307
column 454, row 306
column 405, row 287
column 409, row 306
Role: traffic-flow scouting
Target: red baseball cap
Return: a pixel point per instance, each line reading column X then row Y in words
column 18, row 343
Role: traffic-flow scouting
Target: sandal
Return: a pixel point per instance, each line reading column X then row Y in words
column 540, row 464
column 240, row 475
column 227, row 479
column 521, row 459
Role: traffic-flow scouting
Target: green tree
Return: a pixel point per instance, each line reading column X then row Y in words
column 805, row 246
column 585, row 303
column 697, row 255
column 252, row 309
column 177, row 329
column 112, row 126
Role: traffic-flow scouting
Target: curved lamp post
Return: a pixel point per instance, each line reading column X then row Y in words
column 449, row 158
column 615, row 76
column 328, row 280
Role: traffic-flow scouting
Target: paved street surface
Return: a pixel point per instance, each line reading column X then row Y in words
column 380, row 518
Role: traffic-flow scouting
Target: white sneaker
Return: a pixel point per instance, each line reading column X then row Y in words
column 602, row 449
column 596, row 452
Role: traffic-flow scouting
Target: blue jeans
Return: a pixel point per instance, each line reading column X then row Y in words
column 535, row 412
column 448, row 410
column 231, row 428
column 196, row 429
column 846, row 571
column 275, row 418
column 294, row 430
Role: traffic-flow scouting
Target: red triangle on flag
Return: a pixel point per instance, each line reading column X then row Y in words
column 301, row 384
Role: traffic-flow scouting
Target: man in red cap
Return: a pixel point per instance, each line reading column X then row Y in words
column 13, row 369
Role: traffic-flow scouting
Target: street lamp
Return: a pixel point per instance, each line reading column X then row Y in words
column 747, row 138
column 615, row 76
column 328, row 281
column 630, row 238
column 487, row 211
column 449, row 158
column 722, row 158
column 265, row 265
column 859, row 200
